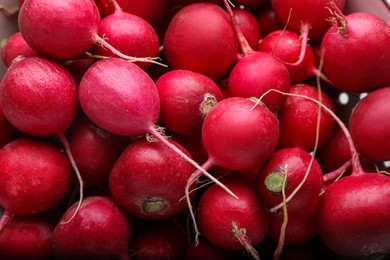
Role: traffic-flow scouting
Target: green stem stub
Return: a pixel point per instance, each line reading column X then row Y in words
column 274, row 182
column 154, row 205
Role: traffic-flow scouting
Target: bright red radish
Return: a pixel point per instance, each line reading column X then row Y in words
column 149, row 178
column 249, row 26
column 232, row 223
column 185, row 98
column 26, row 237
column 99, row 230
column 360, row 38
column 35, row 176
column 191, row 42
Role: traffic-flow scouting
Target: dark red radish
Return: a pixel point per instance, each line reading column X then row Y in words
column 77, row 67
column 121, row 98
column 298, row 119
column 35, row 177
column 94, row 150
column 267, row 20
column 149, row 178
column 128, row 33
column 250, row 3
column 360, row 37
column 99, row 230
column 285, row 45
column 206, row 250
column 14, row 47
column 150, row 10
column 191, row 42
column 194, row 145
column 158, row 240
column 231, row 223
column 249, row 26
column 7, row 131
column 300, row 170
column 256, row 72
column 185, row 98
column 26, row 237
column 75, row 31
column 369, row 125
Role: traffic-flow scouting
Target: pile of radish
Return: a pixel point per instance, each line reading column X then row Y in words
column 187, row 129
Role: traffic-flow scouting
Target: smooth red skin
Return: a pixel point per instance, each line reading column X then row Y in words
column 191, row 42
column 181, row 95
column 148, row 171
column 313, row 13
column 161, row 240
column 35, row 176
column 119, row 97
column 286, row 46
column 301, row 226
column 14, row 47
column 369, row 127
column 297, row 162
column 39, row 97
column 298, row 119
column 217, row 211
column 59, row 29
column 206, row 250
column 256, row 73
column 26, row 237
column 353, row 216
column 237, row 137
column 150, row 10
column 94, row 150
column 248, row 25
column 7, row 131
column 360, row 61
column 267, row 20
column 130, row 34
column 100, row 230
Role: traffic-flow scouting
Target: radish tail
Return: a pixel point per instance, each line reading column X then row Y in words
column 239, row 233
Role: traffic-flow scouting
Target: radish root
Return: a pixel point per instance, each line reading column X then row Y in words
column 240, row 235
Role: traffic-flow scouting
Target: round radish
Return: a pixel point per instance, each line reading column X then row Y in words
column 249, row 26
column 185, row 98
column 149, row 178
column 191, row 42
column 7, row 131
column 100, row 230
column 267, row 20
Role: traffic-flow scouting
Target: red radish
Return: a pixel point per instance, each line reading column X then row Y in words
column 285, row 45
column 257, row 72
column 191, row 42
column 232, row 223
column 161, row 240
column 370, row 136
column 185, row 98
column 26, row 237
column 129, row 34
column 99, row 230
column 14, row 47
column 361, row 38
column 250, row 3
column 267, row 20
column 75, row 31
column 78, row 67
column 248, row 25
column 206, row 250
column 35, row 176
column 298, row 119
column 194, row 145
column 94, row 150
column 293, row 164
column 149, row 178
column 7, row 131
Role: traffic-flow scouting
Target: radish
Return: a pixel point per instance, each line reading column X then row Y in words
column 250, row 3
column 7, row 131
column 136, row 177
column 360, row 37
column 99, row 230
column 231, row 223
column 185, row 98
column 75, row 31
column 128, row 33
column 248, row 25
column 26, row 237
column 35, row 176
column 267, row 20
column 256, row 72
column 371, row 139
column 191, row 42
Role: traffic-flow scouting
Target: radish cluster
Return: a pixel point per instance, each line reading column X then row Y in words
column 195, row 130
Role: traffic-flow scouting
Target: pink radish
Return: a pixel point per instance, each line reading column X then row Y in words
column 191, row 42
column 256, row 72
column 99, row 230
column 75, row 31
column 136, row 179
column 185, row 98
column 249, row 26
column 361, row 38
column 35, row 177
